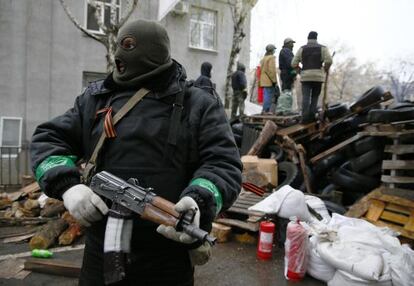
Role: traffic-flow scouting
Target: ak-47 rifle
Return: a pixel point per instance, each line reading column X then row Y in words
column 129, row 197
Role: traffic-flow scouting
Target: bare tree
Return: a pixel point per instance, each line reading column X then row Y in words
column 401, row 78
column 240, row 10
column 109, row 32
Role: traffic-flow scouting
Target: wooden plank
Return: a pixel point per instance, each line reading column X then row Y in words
column 254, row 218
column 53, row 266
column 335, row 148
column 401, row 230
column 245, row 211
column 33, row 187
column 401, row 193
column 388, row 134
column 394, row 217
column 399, row 149
column 398, row 164
column 410, row 223
column 359, row 208
column 295, row 128
column 397, row 200
column 238, row 223
column 375, row 210
column 397, row 179
column 398, row 209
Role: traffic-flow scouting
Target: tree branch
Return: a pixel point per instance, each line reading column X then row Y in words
column 79, row 26
column 128, row 14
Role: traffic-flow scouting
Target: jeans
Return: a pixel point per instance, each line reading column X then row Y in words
column 310, row 95
column 269, row 94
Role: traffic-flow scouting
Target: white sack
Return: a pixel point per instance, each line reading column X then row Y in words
column 319, row 206
column 342, row 278
column 317, row 267
column 402, row 266
column 285, row 202
column 353, row 259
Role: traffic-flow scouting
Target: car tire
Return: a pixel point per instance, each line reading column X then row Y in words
column 368, row 98
column 366, row 160
column 352, row 181
column 276, row 152
column 336, row 111
column 366, row 144
column 288, row 173
column 393, row 115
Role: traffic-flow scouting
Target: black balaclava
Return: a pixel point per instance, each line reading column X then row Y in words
column 241, row 67
column 143, row 51
column 312, row 35
column 206, row 69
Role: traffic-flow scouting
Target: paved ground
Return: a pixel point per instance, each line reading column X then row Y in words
column 233, row 263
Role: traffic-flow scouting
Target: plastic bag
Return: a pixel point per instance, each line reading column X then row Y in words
column 296, row 247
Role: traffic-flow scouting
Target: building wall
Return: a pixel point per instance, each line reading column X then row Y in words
column 43, row 56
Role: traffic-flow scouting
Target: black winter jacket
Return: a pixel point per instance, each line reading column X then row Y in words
column 285, row 59
column 205, row 145
column 238, row 78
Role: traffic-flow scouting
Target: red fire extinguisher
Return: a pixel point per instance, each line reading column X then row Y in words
column 265, row 244
column 296, row 246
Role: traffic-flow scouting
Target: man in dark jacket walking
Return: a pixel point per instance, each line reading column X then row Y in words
column 204, row 80
column 316, row 61
column 176, row 140
column 287, row 76
column 239, row 85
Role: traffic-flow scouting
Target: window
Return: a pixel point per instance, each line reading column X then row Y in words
column 106, row 6
column 203, row 29
column 10, row 136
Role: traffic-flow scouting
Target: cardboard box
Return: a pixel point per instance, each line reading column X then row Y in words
column 266, row 166
column 269, row 168
column 249, row 162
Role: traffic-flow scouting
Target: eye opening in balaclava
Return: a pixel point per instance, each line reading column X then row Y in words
column 127, row 43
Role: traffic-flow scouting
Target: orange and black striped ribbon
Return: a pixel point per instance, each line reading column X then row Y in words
column 108, row 123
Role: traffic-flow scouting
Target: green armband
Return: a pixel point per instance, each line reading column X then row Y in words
column 211, row 188
column 54, row 161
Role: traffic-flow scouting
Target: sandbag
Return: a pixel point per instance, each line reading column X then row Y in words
column 285, row 202
column 350, row 258
column 342, row 278
column 317, row 267
column 319, row 206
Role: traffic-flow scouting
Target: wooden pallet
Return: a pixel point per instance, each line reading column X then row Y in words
column 392, row 168
column 390, row 207
column 394, row 212
column 240, row 206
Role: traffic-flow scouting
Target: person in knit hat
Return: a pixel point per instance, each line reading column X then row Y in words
column 287, row 77
column 315, row 61
column 176, row 140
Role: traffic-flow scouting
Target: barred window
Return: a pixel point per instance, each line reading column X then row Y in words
column 109, row 8
column 203, row 28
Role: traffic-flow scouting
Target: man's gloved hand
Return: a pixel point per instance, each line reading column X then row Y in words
column 186, row 203
column 200, row 255
column 84, row 205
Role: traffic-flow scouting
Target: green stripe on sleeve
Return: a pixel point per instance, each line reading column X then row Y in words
column 54, row 161
column 210, row 187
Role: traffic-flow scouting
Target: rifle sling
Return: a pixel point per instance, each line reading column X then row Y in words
column 118, row 116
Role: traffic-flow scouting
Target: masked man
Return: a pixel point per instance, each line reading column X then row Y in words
column 176, row 140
